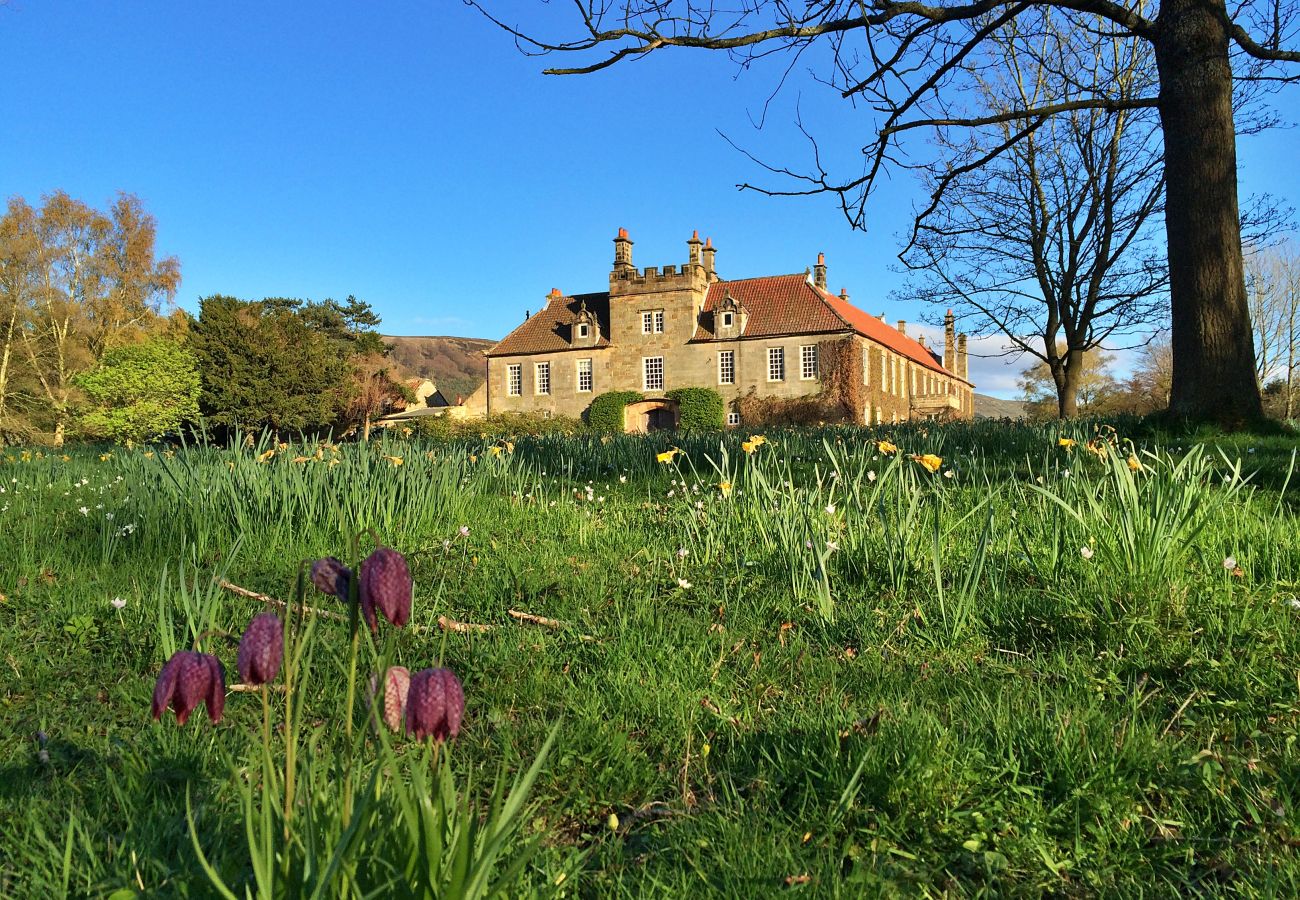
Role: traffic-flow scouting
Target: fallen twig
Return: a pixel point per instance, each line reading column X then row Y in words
column 266, row 598
column 532, row 619
column 447, row 624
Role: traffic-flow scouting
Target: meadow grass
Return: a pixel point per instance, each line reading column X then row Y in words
column 810, row 668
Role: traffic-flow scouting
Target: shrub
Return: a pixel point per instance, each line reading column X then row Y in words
column 606, row 411
column 699, row 409
column 508, row 424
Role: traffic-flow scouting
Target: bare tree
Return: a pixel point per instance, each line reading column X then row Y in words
column 915, row 64
column 1053, row 242
column 1273, row 283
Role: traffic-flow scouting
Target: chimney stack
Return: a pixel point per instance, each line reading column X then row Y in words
column 622, row 253
column 902, row 327
column 963, row 368
column 708, row 253
column 693, row 248
column 949, row 337
column 844, row 294
column 819, row 272
column 920, row 339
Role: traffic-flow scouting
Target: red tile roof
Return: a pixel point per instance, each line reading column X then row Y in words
column 790, row 304
column 777, row 305
column 550, row 329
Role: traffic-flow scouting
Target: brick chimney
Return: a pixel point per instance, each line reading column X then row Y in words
column 963, row 367
column 844, row 294
column 819, row 271
column 902, row 327
column 949, row 339
column 622, row 252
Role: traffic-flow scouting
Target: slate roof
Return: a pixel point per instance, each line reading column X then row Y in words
column 550, row 328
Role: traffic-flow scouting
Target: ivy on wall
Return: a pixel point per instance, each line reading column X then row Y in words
column 841, row 398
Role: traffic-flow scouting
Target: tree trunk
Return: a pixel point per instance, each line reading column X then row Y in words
column 1067, row 388
column 1214, row 356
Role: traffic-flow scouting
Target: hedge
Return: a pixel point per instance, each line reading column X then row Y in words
column 606, row 411
column 699, row 409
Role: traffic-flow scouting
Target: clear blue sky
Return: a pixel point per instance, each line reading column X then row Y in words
column 406, row 153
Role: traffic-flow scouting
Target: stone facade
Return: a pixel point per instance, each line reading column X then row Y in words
column 655, row 330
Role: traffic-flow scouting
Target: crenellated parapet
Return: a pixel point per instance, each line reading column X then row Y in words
column 693, row 275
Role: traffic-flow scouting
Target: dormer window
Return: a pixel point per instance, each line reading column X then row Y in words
column 583, row 330
column 727, row 319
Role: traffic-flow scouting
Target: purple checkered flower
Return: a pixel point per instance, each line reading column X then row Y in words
column 261, row 650
column 386, row 586
column 186, row 679
column 435, row 705
column 331, row 577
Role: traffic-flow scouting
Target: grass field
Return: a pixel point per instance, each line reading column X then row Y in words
column 813, row 668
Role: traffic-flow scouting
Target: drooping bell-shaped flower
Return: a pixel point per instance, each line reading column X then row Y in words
column 331, row 577
column 435, row 705
column 261, row 650
column 186, row 679
column 386, row 586
column 397, row 686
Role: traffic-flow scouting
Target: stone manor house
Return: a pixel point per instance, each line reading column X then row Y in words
column 655, row 330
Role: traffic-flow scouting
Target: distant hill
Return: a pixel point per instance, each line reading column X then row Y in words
column 454, row 364
column 987, row 407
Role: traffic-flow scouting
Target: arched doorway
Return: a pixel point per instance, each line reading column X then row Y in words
column 659, row 414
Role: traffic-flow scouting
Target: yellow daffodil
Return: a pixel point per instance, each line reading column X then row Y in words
column 302, row 459
column 473, row 458
column 1067, row 443
column 66, row 458
column 148, row 454
column 757, row 440
column 886, row 448
column 1134, row 464
column 928, row 461
column 266, row 457
column 105, row 457
column 725, row 487
column 395, row 460
column 406, row 432
column 748, row 446
column 495, row 451
column 667, row 456
column 1097, row 447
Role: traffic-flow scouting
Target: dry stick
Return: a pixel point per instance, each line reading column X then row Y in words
column 444, row 623
column 265, row 598
column 521, row 616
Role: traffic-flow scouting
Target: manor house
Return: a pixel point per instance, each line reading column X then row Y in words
column 769, row 337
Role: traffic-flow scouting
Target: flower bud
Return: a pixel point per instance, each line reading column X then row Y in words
column 186, row 679
column 261, row 650
column 386, row 586
column 331, row 577
column 435, row 705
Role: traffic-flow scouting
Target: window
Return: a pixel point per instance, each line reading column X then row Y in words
column 866, row 368
column 652, row 321
column 808, row 362
column 727, row 367
column 652, row 369
column 659, row 321
column 542, row 378
column 584, row 376
column 893, row 375
column 879, row 416
column 514, row 380
column 733, row 418
column 727, row 319
column 583, row 329
column 776, row 364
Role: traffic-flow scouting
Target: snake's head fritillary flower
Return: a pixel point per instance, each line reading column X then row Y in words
column 435, row 705
column 187, row 679
column 261, row 650
column 1230, row 563
column 397, row 686
column 386, row 586
column 331, row 577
